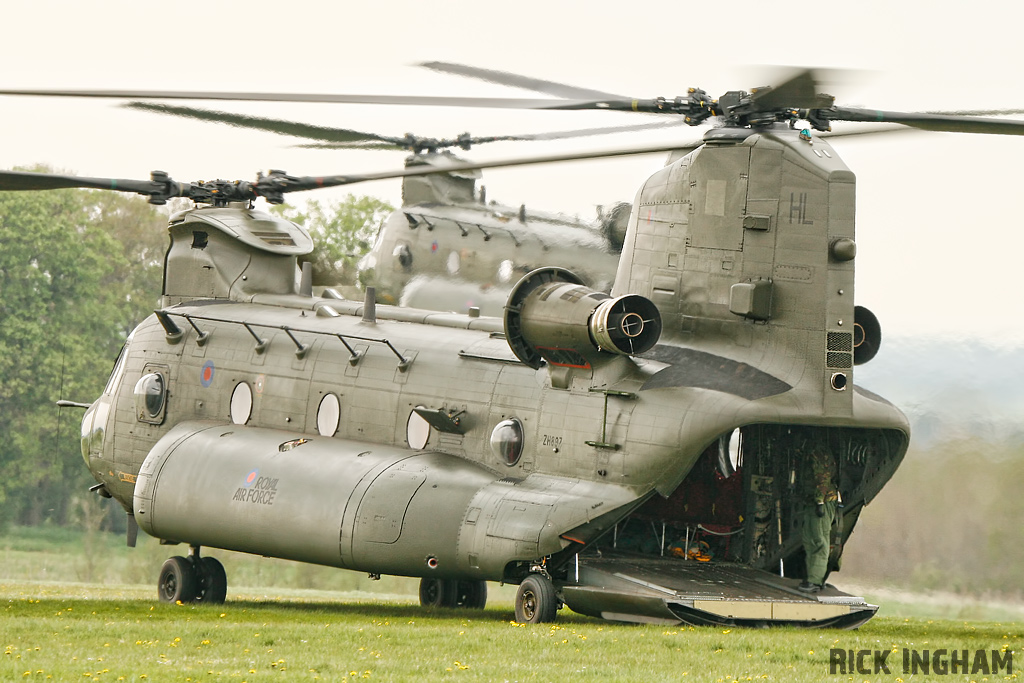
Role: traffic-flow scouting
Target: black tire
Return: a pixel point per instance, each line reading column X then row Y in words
column 470, row 594
column 177, row 581
column 436, row 592
column 536, row 602
column 212, row 582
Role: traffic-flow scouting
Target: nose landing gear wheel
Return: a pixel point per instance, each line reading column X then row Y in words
column 536, row 602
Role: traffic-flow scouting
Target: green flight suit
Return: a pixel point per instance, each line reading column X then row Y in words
column 819, row 494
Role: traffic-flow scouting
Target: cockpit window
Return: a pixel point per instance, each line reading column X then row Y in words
column 115, row 374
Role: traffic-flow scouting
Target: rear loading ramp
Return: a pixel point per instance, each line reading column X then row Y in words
column 644, row 589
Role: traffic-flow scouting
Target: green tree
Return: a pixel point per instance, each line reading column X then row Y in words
column 140, row 230
column 71, row 287
column 343, row 231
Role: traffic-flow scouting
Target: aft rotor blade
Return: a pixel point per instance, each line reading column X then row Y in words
column 608, row 130
column 412, row 100
column 935, row 122
column 553, row 135
column 345, row 138
column 861, row 132
column 977, row 112
column 799, row 91
column 311, row 183
column 524, row 82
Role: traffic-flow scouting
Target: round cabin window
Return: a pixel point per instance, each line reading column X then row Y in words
column 241, row 404
column 454, row 263
column 505, row 270
column 507, row 441
column 417, row 431
column 328, row 415
column 403, row 256
column 150, row 397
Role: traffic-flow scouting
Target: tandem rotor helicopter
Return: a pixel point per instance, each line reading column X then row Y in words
column 633, row 456
column 448, row 247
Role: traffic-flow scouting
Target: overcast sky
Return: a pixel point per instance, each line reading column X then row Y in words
column 939, row 223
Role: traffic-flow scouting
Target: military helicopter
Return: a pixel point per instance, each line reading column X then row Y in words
column 631, row 455
column 447, row 247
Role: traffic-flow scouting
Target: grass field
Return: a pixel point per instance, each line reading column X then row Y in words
column 56, row 625
column 79, row 632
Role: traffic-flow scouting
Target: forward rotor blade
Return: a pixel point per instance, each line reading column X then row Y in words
column 524, row 82
column 276, row 184
column 300, row 130
column 18, row 181
column 158, row 189
column 935, row 122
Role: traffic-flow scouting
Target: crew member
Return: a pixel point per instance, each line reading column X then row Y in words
column 818, row 502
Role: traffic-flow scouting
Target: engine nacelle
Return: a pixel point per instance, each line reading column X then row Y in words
column 552, row 316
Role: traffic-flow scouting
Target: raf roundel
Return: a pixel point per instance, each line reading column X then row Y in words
column 206, row 374
column 251, row 478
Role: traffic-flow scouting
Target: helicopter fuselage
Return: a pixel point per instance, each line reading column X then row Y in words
column 251, row 417
column 448, row 248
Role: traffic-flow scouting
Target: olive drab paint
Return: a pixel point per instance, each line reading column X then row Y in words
column 285, row 423
column 449, row 248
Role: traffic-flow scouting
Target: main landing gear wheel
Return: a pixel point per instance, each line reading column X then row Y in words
column 212, row 581
column 434, row 592
column 452, row 593
column 177, row 581
column 469, row 594
column 193, row 579
column 536, row 602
